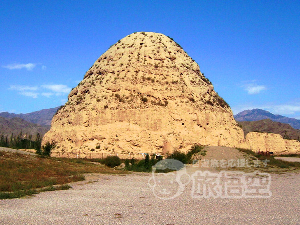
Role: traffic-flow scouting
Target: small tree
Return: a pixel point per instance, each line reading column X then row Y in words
column 127, row 164
column 38, row 141
column 132, row 161
column 45, row 150
column 147, row 162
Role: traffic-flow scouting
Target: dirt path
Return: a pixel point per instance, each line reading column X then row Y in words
column 220, row 152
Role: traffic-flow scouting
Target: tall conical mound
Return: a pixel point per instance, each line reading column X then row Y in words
column 143, row 95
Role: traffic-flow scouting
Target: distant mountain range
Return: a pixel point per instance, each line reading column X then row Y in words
column 42, row 117
column 28, row 124
column 259, row 114
column 269, row 126
column 15, row 126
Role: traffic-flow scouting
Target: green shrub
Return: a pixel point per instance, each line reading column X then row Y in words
column 271, row 161
column 132, row 161
column 144, row 165
column 180, row 156
column 127, row 163
column 45, row 151
column 187, row 158
column 147, row 162
column 112, row 161
column 196, row 149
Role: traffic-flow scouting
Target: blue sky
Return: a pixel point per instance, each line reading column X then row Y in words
column 250, row 50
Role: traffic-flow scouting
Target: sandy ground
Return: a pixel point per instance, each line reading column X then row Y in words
column 138, row 199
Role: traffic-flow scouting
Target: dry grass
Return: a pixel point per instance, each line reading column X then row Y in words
column 22, row 175
column 273, row 165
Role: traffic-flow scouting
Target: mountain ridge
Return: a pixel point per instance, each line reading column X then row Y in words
column 260, row 114
column 41, row 117
column 16, row 125
column 270, row 126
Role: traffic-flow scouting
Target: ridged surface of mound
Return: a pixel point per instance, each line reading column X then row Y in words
column 143, row 95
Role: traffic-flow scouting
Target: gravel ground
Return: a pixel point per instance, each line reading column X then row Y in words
column 128, row 199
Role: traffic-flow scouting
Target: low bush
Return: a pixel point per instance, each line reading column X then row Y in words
column 180, row 156
column 188, row 157
column 112, row 161
column 144, row 165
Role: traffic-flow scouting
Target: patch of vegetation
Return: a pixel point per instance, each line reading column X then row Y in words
column 19, row 142
column 60, row 107
column 175, row 42
column 22, row 193
column 144, row 165
column 188, row 157
column 271, row 161
column 222, row 102
column 45, row 151
column 22, row 174
column 206, row 80
column 180, row 156
column 112, row 161
column 290, row 155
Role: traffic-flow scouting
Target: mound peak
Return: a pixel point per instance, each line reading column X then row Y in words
column 143, row 94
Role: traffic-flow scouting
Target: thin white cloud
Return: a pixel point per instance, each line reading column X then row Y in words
column 47, row 94
column 58, row 88
column 29, row 94
column 18, row 66
column 43, row 90
column 23, row 88
column 285, row 109
column 252, row 87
